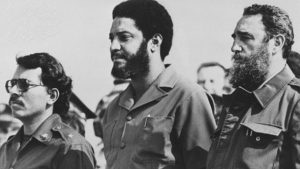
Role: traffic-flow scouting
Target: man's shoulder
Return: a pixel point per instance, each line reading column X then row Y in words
column 295, row 84
column 186, row 85
column 69, row 135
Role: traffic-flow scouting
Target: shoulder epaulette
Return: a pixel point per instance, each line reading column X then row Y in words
column 66, row 132
column 295, row 82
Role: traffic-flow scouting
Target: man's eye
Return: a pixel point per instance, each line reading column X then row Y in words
column 245, row 37
column 200, row 82
column 124, row 37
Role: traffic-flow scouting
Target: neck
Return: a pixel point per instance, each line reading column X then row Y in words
column 31, row 125
column 141, row 83
column 276, row 65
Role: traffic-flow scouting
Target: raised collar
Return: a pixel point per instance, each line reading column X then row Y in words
column 265, row 94
column 43, row 133
column 262, row 95
column 159, row 88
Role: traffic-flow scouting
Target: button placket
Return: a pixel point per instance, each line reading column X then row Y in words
column 123, row 144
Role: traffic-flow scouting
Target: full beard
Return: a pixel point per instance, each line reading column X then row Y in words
column 136, row 64
column 250, row 72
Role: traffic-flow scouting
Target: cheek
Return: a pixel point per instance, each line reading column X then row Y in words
column 131, row 48
column 35, row 101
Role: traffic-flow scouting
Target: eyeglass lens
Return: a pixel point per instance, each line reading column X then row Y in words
column 22, row 84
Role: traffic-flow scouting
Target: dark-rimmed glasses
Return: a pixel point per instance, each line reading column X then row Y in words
column 22, row 85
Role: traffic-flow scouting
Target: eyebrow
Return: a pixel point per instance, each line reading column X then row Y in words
column 240, row 33
column 118, row 33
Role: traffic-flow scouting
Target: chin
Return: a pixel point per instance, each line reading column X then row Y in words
column 19, row 114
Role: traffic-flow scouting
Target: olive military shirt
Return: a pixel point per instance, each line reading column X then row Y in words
column 168, row 127
column 53, row 145
column 260, row 129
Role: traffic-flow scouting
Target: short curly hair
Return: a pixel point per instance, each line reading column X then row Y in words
column 151, row 18
column 276, row 21
column 53, row 76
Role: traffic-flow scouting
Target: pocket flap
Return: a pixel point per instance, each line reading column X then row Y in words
column 263, row 128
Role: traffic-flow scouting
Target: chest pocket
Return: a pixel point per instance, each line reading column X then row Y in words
column 155, row 135
column 259, row 136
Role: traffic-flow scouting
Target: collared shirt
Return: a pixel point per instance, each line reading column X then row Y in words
column 260, row 129
column 168, row 127
column 53, row 145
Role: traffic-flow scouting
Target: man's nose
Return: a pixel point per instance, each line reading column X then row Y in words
column 236, row 47
column 115, row 45
column 14, row 90
column 206, row 85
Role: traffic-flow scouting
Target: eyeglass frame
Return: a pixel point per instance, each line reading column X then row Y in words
column 28, row 83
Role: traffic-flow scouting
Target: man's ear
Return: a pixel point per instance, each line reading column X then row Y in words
column 155, row 42
column 53, row 95
column 279, row 41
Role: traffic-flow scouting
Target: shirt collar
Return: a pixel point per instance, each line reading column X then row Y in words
column 160, row 87
column 264, row 94
column 43, row 133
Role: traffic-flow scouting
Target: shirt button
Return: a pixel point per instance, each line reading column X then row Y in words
column 257, row 138
column 128, row 118
column 44, row 136
column 57, row 128
column 123, row 145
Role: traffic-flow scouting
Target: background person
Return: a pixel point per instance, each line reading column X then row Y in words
column 293, row 60
column 8, row 124
column 212, row 76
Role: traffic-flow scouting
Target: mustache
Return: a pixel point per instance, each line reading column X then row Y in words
column 14, row 100
column 237, row 56
column 117, row 55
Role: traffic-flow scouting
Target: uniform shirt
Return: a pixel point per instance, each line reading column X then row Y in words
column 168, row 127
column 52, row 146
column 260, row 129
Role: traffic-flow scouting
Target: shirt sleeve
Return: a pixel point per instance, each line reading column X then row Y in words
column 78, row 157
column 194, row 123
column 293, row 142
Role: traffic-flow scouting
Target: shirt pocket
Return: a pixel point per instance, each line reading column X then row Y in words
column 155, row 136
column 261, row 143
column 261, row 135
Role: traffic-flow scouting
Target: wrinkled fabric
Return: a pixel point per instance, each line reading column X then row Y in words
column 260, row 129
column 167, row 128
column 52, row 146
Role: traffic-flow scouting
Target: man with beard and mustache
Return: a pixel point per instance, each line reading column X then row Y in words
column 161, row 120
column 39, row 97
column 259, row 126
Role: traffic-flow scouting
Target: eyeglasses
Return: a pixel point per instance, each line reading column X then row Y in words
column 22, row 85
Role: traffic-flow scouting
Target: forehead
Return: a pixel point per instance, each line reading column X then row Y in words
column 252, row 24
column 211, row 72
column 30, row 74
column 123, row 24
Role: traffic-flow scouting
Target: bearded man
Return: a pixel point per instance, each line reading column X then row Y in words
column 259, row 126
column 161, row 120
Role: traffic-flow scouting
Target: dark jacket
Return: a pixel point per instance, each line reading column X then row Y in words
column 260, row 129
column 53, row 145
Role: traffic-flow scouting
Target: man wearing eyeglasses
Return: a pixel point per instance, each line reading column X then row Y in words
column 39, row 95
